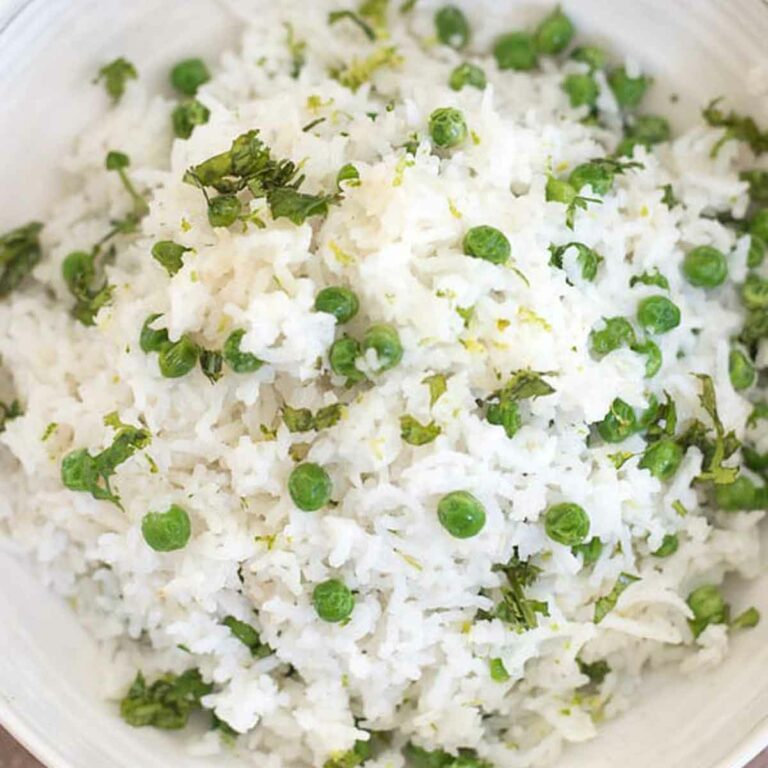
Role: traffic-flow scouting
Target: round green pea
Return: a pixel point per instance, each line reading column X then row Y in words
column 342, row 356
column 188, row 75
column 617, row 333
column 178, row 358
column 742, row 495
column 235, row 358
column 649, row 130
column 582, row 90
column 487, row 243
column 310, row 487
column 467, row 74
column 708, row 607
column 78, row 270
column 151, row 340
column 516, row 50
column 461, row 514
column 166, row 531
column 662, row 458
column 348, row 173
column 559, row 191
column 224, row 210
column 567, row 523
column 653, row 355
column 657, row 314
column 447, row 127
column 385, row 341
column 629, row 91
column 452, row 27
column 705, row 267
column 669, row 545
column 554, row 34
column 340, row 302
column 333, row 601
column 740, row 370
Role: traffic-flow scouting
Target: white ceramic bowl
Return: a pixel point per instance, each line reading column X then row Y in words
column 49, row 50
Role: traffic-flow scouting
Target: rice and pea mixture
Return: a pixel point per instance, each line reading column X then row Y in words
column 392, row 392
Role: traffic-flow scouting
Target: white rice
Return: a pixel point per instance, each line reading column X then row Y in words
column 412, row 659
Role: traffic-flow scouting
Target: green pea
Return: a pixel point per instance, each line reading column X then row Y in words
column 343, row 355
column 310, row 487
column 657, row 314
column 629, row 91
column 188, row 75
column 705, row 267
column 591, row 55
column 559, row 191
column 447, row 127
column 617, row 333
column 754, row 292
column 452, row 27
column 567, row 523
column 619, row 423
column 708, row 607
column 385, row 341
column 79, row 471
column 151, row 340
column 224, row 210
column 340, row 302
column 516, row 50
column 333, row 601
column 166, row 531
column 599, row 176
column 235, row 358
column 187, row 116
column 461, row 514
column 662, row 458
column 178, row 358
column 742, row 495
column 648, row 130
column 582, row 90
column 653, row 354
column 169, row 255
column 467, row 74
column 741, row 370
column 554, row 34
column 759, row 226
column 669, row 545
column 487, row 243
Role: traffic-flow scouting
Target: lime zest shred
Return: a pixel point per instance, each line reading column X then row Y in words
column 527, row 315
column 342, row 257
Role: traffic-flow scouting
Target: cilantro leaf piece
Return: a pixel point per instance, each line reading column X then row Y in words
column 607, row 603
column 116, row 75
column 737, row 127
column 650, row 278
column 713, row 469
column 81, row 471
column 296, row 206
column 248, row 636
column 596, row 671
column 437, row 384
column 502, row 407
column 20, row 252
column 415, row 433
column 167, row 703
column 588, row 259
column 9, row 412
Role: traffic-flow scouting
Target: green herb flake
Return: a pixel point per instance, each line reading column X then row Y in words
column 736, row 128
column 497, row 671
column 49, row 430
column 597, row 671
column 587, row 258
column 115, row 76
column 415, row 433
column 438, row 385
column 10, row 412
column 248, row 636
column 20, row 252
column 167, row 703
column 650, row 278
column 713, row 469
column 606, row 604
column 364, row 26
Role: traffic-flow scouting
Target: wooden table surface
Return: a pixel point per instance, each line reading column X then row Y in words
column 13, row 756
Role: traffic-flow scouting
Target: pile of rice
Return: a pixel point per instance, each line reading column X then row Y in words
column 413, row 659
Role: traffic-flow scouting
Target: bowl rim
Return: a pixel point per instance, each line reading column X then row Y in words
column 21, row 729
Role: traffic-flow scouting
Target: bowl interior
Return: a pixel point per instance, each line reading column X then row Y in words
column 50, row 669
